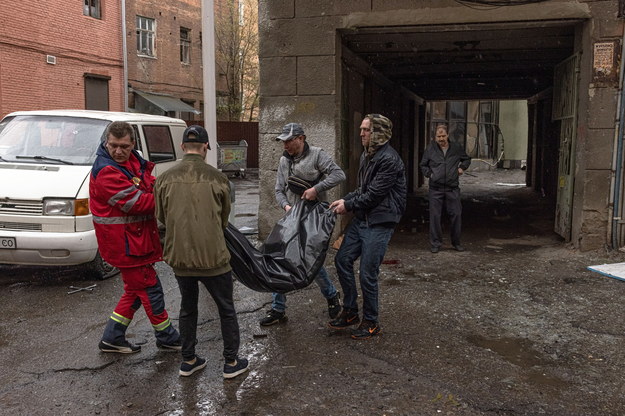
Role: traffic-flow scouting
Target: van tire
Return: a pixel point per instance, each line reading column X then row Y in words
column 99, row 269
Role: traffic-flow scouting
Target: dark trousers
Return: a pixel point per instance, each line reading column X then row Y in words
column 451, row 200
column 368, row 243
column 220, row 289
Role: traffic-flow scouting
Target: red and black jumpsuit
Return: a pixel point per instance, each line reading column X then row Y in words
column 122, row 205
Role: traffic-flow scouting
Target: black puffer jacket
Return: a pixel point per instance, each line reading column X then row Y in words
column 381, row 194
column 442, row 169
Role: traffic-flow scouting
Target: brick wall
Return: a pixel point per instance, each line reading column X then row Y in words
column 164, row 73
column 81, row 44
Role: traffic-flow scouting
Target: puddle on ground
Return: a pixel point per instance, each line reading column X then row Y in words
column 519, row 351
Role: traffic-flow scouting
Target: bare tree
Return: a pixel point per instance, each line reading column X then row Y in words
column 236, row 55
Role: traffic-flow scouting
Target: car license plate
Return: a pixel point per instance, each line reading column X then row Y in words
column 7, row 242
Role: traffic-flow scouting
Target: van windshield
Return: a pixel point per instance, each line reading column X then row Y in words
column 51, row 139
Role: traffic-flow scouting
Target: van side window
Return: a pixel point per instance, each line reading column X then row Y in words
column 137, row 138
column 159, row 143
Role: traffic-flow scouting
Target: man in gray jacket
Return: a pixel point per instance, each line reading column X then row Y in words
column 308, row 165
column 193, row 202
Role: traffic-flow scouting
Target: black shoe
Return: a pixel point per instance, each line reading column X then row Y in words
column 123, row 348
column 187, row 369
column 174, row 346
column 274, row 317
column 241, row 365
column 345, row 319
column 334, row 305
column 458, row 247
column 434, row 249
column 366, row 330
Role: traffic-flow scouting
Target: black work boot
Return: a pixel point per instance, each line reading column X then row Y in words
column 334, row 305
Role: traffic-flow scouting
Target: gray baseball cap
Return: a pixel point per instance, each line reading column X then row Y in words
column 290, row 131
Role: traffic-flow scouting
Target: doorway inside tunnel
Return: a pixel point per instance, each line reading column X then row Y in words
column 494, row 85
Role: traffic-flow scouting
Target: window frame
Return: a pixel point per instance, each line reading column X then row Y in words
column 165, row 145
column 185, row 45
column 146, row 34
column 92, row 8
column 486, row 124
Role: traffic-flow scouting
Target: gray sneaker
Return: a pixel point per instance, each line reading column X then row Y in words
column 174, row 346
column 123, row 348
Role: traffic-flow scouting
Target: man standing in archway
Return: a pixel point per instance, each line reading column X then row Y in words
column 443, row 162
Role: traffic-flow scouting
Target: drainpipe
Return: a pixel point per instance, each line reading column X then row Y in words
column 208, row 76
column 616, row 217
column 125, row 56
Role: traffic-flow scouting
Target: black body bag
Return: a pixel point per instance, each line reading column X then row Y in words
column 291, row 256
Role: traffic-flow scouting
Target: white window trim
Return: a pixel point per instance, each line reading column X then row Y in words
column 151, row 39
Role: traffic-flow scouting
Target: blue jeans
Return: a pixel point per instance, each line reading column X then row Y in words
column 325, row 286
column 368, row 243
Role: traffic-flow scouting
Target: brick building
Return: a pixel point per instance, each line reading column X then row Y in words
column 68, row 56
column 562, row 58
column 164, row 43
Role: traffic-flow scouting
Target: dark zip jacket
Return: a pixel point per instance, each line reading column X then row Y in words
column 381, row 194
column 442, row 169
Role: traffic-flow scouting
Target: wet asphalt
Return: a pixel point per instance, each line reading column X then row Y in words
column 513, row 326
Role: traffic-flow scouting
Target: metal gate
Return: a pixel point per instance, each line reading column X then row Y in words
column 565, row 111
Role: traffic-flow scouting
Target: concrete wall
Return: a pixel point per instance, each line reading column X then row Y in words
column 300, row 57
column 297, row 84
column 513, row 125
column 595, row 134
column 81, row 44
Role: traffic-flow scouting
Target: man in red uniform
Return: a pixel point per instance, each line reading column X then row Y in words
column 122, row 204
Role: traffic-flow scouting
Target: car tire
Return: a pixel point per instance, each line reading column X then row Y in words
column 99, row 269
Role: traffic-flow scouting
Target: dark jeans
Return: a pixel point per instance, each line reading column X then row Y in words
column 451, row 200
column 368, row 243
column 220, row 288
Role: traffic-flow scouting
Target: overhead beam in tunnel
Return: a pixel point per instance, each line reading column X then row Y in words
column 503, row 60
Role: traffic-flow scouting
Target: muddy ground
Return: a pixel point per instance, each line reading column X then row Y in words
column 515, row 325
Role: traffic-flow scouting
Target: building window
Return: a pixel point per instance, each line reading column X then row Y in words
column 185, row 45
column 91, row 8
column 472, row 124
column 146, row 32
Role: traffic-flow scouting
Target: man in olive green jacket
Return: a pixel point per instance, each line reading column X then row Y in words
column 193, row 202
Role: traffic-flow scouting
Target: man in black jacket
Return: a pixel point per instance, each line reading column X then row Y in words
column 443, row 162
column 378, row 204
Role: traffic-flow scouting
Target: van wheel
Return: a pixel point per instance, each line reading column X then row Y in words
column 99, row 269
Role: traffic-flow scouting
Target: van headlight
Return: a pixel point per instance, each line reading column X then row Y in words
column 77, row 207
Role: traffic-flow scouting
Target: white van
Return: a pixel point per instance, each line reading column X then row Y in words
column 45, row 162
